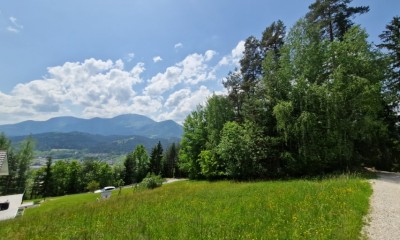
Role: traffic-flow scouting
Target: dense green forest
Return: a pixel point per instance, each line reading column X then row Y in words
column 317, row 99
column 72, row 176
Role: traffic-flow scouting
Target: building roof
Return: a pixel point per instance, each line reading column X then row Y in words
column 3, row 163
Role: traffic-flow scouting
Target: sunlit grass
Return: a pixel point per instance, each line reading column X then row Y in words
column 300, row 209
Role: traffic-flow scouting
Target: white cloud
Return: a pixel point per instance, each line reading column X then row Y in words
column 93, row 86
column 178, row 45
column 195, row 68
column 130, row 57
column 144, row 105
column 183, row 102
column 177, row 97
column 13, row 20
column 137, row 70
column 209, row 55
column 163, row 81
column 157, row 59
column 234, row 57
column 192, row 70
column 147, row 105
column 104, row 88
column 14, row 27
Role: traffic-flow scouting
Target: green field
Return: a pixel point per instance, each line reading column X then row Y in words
column 298, row 209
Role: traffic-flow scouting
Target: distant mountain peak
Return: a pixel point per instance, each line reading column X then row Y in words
column 126, row 124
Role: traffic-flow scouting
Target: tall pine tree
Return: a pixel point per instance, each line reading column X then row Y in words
column 156, row 159
column 391, row 42
column 334, row 16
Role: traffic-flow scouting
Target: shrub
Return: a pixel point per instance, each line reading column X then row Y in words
column 93, row 185
column 151, row 181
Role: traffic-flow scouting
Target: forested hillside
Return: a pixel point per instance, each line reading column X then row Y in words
column 315, row 99
column 91, row 143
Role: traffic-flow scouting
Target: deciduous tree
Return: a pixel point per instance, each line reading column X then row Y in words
column 25, row 157
column 234, row 151
column 74, row 183
column 193, row 142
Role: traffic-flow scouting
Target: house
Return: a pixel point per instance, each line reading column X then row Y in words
column 3, row 163
column 9, row 206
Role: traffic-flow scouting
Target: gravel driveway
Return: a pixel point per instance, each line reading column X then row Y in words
column 384, row 217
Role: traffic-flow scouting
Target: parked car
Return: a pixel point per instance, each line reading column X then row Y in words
column 108, row 188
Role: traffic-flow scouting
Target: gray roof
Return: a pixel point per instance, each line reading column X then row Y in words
column 3, row 156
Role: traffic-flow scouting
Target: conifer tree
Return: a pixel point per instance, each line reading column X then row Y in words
column 334, row 16
column 47, row 187
column 156, row 159
column 391, row 42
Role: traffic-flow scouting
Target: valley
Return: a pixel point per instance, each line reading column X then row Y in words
column 104, row 139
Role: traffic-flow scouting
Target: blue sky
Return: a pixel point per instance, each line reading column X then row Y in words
column 159, row 58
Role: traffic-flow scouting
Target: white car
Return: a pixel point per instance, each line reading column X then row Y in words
column 109, row 188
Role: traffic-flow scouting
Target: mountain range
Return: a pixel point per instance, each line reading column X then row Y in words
column 91, row 143
column 123, row 125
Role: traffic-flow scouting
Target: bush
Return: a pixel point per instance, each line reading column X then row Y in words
column 151, row 181
column 93, row 185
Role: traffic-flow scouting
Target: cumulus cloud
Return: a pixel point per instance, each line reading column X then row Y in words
column 163, row 81
column 139, row 104
column 147, row 105
column 104, row 88
column 192, row 70
column 209, row 54
column 234, row 57
column 177, row 97
column 96, row 86
column 178, row 45
column 15, row 27
column 157, row 59
column 182, row 102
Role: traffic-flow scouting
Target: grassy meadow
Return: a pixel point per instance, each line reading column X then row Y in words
column 299, row 209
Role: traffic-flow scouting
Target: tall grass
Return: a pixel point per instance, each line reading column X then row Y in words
column 300, row 209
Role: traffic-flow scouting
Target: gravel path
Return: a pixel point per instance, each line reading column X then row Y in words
column 171, row 180
column 384, row 217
